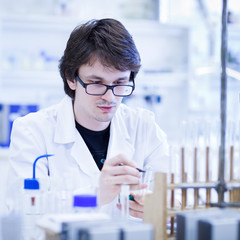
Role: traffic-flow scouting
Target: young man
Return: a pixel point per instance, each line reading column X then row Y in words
column 90, row 125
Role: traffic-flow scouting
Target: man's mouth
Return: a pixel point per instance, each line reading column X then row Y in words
column 106, row 108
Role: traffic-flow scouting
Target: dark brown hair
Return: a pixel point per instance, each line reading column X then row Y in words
column 107, row 40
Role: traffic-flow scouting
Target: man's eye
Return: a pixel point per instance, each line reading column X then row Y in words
column 94, row 82
column 121, row 83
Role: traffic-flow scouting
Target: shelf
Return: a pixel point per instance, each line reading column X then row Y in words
column 29, row 74
column 31, row 78
column 44, row 23
column 164, row 79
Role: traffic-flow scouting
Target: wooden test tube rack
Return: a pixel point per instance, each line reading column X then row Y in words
column 156, row 210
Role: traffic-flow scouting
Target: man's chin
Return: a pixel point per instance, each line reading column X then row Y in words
column 106, row 118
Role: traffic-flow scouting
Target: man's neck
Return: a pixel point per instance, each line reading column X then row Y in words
column 97, row 126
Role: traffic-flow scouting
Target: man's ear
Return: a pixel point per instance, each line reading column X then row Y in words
column 72, row 84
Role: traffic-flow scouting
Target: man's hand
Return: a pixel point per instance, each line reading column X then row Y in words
column 135, row 206
column 115, row 172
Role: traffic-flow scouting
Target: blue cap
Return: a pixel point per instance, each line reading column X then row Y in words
column 31, row 183
column 85, row 200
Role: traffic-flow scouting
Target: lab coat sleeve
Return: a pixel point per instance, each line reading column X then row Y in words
column 26, row 145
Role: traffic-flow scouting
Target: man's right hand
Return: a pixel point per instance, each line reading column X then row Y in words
column 115, row 172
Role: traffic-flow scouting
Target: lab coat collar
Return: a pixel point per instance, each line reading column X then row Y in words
column 65, row 127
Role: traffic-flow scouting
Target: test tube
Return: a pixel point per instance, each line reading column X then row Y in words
column 230, row 141
column 183, row 134
column 124, row 199
column 147, row 177
column 171, row 161
column 183, row 175
column 231, row 130
column 171, row 171
column 207, row 137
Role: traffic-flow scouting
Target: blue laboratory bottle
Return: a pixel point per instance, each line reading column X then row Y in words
column 32, row 209
column 85, row 203
column 32, row 206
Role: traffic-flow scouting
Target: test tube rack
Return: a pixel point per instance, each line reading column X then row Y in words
column 158, row 211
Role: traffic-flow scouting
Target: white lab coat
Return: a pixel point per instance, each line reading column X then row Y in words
column 133, row 132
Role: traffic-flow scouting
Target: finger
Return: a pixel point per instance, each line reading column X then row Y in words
column 138, row 198
column 136, row 214
column 121, row 179
column 119, row 206
column 133, row 212
column 138, row 187
column 135, row 209
column 120, row 159
column 121, row 170
column 136, row 206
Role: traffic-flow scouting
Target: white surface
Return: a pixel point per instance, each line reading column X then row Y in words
column 54, row 222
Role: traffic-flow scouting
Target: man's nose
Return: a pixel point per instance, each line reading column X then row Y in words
column 108, row 95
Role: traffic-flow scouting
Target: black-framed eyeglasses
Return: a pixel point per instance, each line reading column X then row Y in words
column 98, row 89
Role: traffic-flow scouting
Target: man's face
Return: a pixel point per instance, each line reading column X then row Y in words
column 95, row 112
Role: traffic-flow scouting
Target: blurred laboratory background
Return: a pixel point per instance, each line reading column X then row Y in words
column 179, row 42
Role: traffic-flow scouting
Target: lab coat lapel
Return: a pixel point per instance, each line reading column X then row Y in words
column 119, row 141
column 66, row 133
column 82, row 155
column 65, row 127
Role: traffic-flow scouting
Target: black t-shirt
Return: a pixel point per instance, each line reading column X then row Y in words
column 97, row 142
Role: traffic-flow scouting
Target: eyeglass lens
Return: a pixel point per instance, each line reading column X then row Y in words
column 101, row 89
